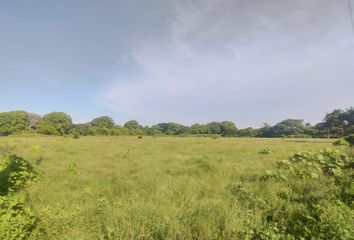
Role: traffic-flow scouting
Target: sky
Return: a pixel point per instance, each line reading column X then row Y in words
column 185, row 61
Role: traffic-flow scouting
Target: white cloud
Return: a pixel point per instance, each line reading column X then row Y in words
column 237, row 60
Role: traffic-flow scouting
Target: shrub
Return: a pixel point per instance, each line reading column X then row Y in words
column 350, row 139
column 340, row 142
column 16, row 221
column 15, row 174
column 313, row 199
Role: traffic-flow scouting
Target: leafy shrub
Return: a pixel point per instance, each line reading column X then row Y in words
column 340, row 142
column 16, row 221
column 15, row 174
column 350, row 139
column 313, row 198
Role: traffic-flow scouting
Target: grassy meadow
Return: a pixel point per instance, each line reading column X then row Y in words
column 150, row 188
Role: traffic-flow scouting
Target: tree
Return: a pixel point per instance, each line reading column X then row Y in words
column 33, row 119
column 266, row 131
column 172, row 128
column 103, row 125
column 247, row 132
column 198, row 129
column 55, row 123
column 335, row 122
column 132, row 125
column 13, row 122
column 228, row 129
column 214, row 128
column 289, row 127
column 103, row 122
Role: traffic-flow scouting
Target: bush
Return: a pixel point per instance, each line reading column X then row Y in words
column 16, row 221
column 350, row 139
column 15, row 174
column 340, row 142
column 308, row 196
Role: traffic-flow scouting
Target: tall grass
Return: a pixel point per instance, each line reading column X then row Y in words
column 150, row 188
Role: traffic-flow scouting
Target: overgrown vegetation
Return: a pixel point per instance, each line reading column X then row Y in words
column 177, row 188
column 16, row 220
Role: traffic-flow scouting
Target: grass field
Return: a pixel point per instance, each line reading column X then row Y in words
column 150, row 188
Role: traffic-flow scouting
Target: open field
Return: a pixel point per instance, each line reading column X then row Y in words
column 150, row 188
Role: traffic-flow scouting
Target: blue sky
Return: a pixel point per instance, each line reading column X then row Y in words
column 185, row 61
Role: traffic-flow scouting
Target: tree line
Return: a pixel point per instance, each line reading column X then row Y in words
column 337, row 123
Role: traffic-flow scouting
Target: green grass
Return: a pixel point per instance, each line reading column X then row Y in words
column 150, row 188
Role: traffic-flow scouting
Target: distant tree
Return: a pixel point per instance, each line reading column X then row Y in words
column 289, row 127
column 103, row 122
column 55, row 123
column 335, row 122
column 247, row 132
column 13, row 122
column 266, row 131
column 153, row 130
column 33, row 120
column 103, row 125
column 134, row 128
column 82, row 129
column 198, row 129
column 172, row 128
column 214, row 128
column 228, row 129
column 132, row 125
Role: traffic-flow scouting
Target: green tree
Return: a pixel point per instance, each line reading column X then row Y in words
column 289, row 127
column 247, row 132
column 55, row 123
column 13, row 122
column 103, row 122
column 172, row 128
column 214, row 128
column 335, row 122
column 228, row 129
column 198, row 129
column 132, row 125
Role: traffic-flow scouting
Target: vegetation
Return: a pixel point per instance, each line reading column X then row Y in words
column 175, row 188
column 16, row 220
column 336, row 124
column 340, row 142
column 214, row 187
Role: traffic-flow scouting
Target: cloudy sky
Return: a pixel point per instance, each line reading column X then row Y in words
column 187, row 61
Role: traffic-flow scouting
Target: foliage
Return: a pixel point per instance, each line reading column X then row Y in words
column 15, row 174
column 338, row 123
column 340, row 142
column 13, row 122
column 55, row 123
column 16, row 221
column 132, row 125
column 313, row 198
column 103, row 122
column 350, row 139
